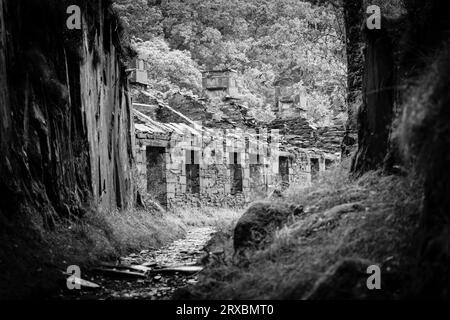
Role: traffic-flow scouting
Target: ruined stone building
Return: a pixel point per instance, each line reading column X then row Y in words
column 288, row 105
column 208, row 150
column 182, row 163
column 322, row 145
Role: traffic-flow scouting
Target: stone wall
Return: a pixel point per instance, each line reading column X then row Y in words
column 218, row 155
column 257, row 160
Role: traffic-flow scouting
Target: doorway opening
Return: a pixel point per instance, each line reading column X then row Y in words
column 156, row 174
column 283, row 167
column 315, row 168
column 236, row 173
column 192, row 172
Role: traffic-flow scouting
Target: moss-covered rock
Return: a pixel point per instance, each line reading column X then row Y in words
column 257, row 225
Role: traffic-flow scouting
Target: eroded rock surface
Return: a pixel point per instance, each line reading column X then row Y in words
column 65, row 112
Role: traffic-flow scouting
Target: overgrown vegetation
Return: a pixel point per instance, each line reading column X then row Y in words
column 102, row 235
column 372, row 218
column 96, row 237
column 264, row 40
column 208, row 216
column 109, row 235
column 424, row 136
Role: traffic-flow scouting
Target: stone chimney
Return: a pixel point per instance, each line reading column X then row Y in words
column 288, row 104
column 139, row 75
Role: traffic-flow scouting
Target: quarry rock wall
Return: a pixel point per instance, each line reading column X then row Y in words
column 66, row 125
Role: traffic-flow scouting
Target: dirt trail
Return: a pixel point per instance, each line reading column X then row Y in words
column 156, row 285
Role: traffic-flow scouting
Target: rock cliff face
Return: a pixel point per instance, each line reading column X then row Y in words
column 65, row 125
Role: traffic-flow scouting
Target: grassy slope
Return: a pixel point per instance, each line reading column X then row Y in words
column 380, row 228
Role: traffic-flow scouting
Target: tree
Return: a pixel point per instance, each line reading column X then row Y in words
column 169, row 69
column 263, row 39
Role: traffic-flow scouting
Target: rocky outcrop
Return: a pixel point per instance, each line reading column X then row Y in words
column 65, row 128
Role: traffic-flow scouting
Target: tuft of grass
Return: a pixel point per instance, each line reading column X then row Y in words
column 372, row 218
column 219, row 218
column 108, row 235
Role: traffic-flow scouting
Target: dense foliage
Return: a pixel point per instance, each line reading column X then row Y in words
column 169, row 69
column 265, row 40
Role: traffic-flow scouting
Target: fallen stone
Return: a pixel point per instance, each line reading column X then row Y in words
column 114, row 266
column 192, row 281
column 87, row 285
column 141, row 268
column 149, row 264
column 182, row 269
column 120, row 273
column 131, row 268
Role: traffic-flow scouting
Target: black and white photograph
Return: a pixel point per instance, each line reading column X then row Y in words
column 202, row 154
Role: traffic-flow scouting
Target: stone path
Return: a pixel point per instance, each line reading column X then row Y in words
column 158, row 284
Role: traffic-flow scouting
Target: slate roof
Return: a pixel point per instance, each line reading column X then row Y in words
column 144, row 124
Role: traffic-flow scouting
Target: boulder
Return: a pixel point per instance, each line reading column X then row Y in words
column 257, row 225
